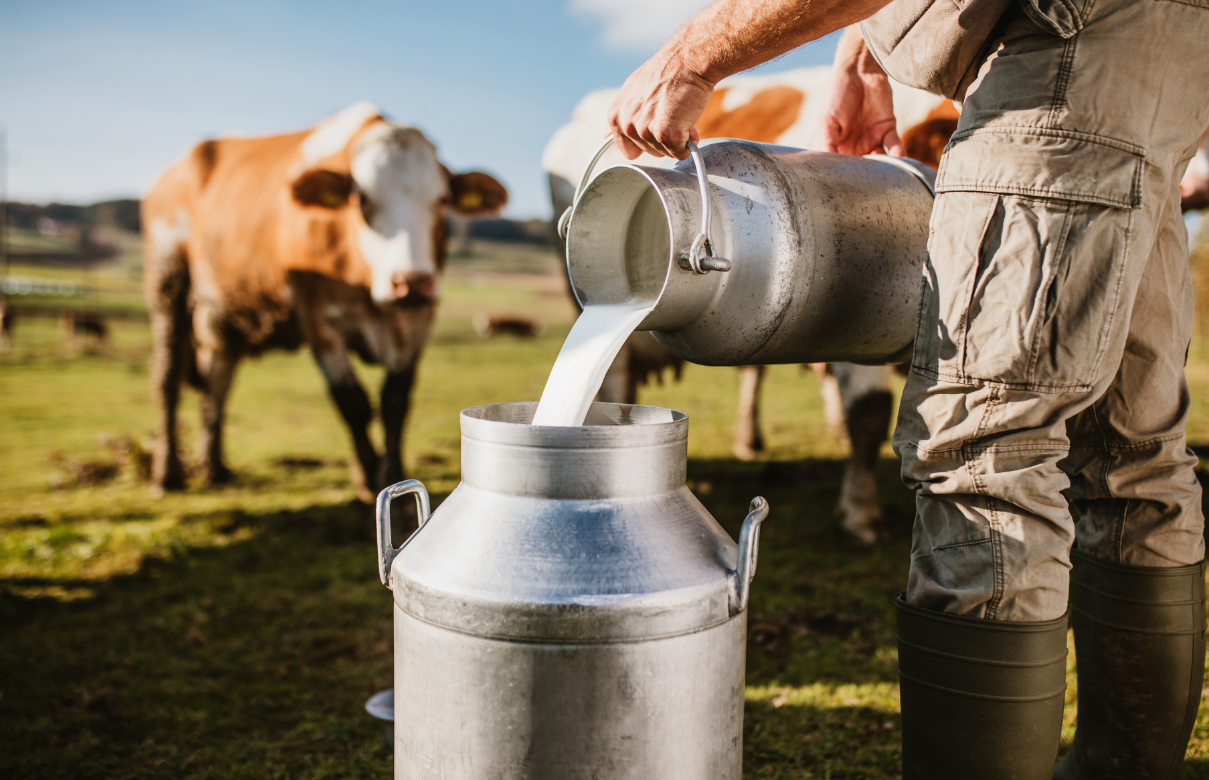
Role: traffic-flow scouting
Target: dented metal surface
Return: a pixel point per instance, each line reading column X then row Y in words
column 571, row 610
column 825, row 253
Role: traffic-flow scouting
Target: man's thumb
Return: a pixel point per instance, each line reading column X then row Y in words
column 893, row 144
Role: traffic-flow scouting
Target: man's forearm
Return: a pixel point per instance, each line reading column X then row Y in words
column 733, row 35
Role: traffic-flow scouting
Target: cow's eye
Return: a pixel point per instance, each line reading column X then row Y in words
column 368, row 209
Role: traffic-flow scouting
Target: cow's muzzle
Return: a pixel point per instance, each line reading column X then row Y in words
column 413, row 288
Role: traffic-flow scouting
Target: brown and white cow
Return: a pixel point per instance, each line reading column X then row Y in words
column 1194, row 187
column 332, row 236
column 780, row 108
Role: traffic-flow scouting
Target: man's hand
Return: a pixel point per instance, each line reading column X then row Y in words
column 1194, row 192
column 661, row 101
column 656, row 109
column 859, row 118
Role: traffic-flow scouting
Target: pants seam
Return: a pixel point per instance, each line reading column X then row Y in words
column 992, row 514
column 1056, row 267
column 1116, row 301
column 1064, row 74
column 972, row 289
column 1141, row 445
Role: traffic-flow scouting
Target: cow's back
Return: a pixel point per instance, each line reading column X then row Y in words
column 226, row 204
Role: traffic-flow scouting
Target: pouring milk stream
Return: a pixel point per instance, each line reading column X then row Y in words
column 602, row 329
column 586, row 355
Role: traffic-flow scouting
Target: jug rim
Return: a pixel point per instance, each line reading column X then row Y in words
column 607, row 425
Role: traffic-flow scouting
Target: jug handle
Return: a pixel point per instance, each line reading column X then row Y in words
column 564, row 222
column 700, row 255
column 739, row 579
column 386, row 549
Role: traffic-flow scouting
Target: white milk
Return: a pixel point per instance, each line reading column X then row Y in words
column 586, row 355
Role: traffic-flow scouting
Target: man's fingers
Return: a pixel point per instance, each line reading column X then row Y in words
column 663, row 137
column 893, row 144
column 646, row 146
column 628, row 149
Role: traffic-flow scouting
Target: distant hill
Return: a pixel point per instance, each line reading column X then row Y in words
column 529, row 231
column 52, row 218
column 68, row 219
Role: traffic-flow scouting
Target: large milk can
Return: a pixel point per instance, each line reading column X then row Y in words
column 571, row 611
column 762, row 254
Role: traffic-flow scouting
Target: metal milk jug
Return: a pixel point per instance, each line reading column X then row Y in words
column 571, row 611
column 777, row 255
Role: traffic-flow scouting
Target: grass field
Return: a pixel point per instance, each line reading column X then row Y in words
column 237, row 633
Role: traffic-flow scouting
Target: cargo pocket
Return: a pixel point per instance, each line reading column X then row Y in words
column 1061, row 17
column 1040, row 272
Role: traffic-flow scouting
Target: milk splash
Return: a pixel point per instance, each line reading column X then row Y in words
column 593, row 342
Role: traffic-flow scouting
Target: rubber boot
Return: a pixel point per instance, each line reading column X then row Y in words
column 1140, row 655
column 980, row 698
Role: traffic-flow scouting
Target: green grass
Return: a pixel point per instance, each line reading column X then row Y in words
column 238, row 632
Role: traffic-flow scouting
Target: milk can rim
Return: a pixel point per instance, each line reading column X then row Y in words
column 642, row 434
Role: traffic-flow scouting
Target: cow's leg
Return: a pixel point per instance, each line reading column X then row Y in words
column 833, row 405
column 748, row 439
column 217, row 369
column 619, row 386
column 396, row 400
column 354, row 406
column 171, row 348
column 867, row 403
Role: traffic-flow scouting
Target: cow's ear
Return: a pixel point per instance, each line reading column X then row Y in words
column 323, row 188
column 475, row 194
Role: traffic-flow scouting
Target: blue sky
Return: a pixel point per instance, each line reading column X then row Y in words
column 97, row 97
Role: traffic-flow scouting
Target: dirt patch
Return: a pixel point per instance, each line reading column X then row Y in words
column 794, row 473
column 300, row 462
column 769, row 634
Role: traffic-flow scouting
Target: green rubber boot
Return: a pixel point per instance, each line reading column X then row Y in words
column 980, row 698
column 1140, row 652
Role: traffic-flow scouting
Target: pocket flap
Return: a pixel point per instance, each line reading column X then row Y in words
column 1044, row 163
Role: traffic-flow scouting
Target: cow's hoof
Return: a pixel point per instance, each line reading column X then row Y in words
column 390, row 476
column 159, row 489
column 217, row 476
column 868, row 528
column 748, row 448
column 169, row 480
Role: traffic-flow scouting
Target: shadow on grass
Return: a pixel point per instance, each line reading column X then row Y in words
column 255, row 659
column 822, row 603
column 252, row 660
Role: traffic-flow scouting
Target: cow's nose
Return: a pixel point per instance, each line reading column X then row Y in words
column 415, row 284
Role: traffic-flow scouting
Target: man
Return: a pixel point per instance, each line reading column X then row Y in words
column 1056, row 314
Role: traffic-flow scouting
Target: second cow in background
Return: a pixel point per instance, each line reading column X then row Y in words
column 784, row 109
column 332, row 236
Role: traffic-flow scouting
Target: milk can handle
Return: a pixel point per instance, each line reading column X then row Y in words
column 386, row 549
column 565, row 220
column 700, row 256
column 739, row 580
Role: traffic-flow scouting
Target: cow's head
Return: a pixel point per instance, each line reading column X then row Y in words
column 393, row 191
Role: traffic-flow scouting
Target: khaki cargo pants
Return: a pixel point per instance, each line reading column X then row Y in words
column 1057, row 312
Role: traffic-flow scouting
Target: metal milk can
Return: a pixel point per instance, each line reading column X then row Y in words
column 571, row 611
column 778, row 255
